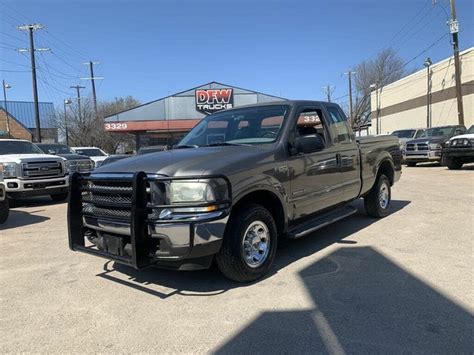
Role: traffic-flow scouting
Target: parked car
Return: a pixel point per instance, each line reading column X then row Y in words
column 27, row 171
column 151, row 149
column 114, row 158
column 4, row 205
column 429, row 146
column 74, row 162
column 237, row 182
column 459, row 150
column 404, row 135
column 96, row 154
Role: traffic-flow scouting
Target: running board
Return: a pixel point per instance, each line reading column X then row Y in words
column 320, row 221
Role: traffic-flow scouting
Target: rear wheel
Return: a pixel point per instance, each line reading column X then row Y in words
column 453, row 164
column 249, row 246
column 4, row 210
column 411, row 164
column 377, row 202
column 59, row 197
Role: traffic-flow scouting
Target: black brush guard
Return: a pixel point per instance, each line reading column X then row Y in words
column 140, row 255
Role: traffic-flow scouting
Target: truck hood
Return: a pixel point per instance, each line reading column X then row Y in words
column 466, row 136
column 428, row 140
column 74, row 156
column 18, row 158
column 192, row 161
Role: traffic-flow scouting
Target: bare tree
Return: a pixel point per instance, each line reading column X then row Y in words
column 85, row 129
column 384, row 69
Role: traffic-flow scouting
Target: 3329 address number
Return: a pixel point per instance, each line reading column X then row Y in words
column 115, row 126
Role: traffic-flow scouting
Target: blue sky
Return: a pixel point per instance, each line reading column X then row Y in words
column 149, row 49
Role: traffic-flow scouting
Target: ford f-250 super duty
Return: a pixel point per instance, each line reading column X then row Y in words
column 29, row 172
column 240, row 180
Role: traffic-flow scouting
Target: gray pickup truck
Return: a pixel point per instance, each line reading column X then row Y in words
column 237, row 182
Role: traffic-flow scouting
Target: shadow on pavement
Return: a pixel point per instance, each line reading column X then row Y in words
column 20, row 219
column 211, row 282
column 363, row 303
column 34, row 201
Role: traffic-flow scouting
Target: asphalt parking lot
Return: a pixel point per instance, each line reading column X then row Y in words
column 400, row 284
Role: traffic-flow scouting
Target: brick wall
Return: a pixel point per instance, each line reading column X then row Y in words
column 17, row 130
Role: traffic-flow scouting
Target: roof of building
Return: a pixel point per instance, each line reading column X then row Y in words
column 24, row 112
column 180, row 106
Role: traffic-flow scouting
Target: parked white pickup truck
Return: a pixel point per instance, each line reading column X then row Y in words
column 27, row 171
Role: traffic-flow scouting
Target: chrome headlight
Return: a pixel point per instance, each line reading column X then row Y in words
column 190, row 191
column 435, row 146
column 447, row 143
column 10, row 170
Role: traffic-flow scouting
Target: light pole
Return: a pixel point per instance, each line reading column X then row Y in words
column 427, row 64
column 374, row 87
column 66, row 102
column 5, row 87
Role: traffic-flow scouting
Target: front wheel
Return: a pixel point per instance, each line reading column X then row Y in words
column 249, row 246
column 453, row 164
column 59, row 197
column 377, row 202
column 4, row 210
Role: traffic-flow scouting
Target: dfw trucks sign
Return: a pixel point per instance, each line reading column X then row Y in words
column 213, row 100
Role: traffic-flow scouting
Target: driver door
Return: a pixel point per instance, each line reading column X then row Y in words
column 316, row 179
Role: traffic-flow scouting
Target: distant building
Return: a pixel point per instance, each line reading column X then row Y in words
column 24, row 113
column 166, row 120
column 403, row 104
column 17, row 129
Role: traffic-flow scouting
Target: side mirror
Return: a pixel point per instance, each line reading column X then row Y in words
column 309, row 144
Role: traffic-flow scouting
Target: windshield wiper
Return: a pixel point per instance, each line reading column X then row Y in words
column 184, row 146
column 218, row 144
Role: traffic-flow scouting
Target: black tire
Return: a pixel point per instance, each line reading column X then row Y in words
column 372, row 202
column 453, row 164
column 230, row 259
column 4, row 210
column 60, row 197
column 411, row 164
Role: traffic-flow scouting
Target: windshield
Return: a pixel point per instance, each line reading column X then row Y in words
column 55, row 149
column 253, row 125
column 91, row 152
column 438, row 132
column 471, row 129
column 406, row 133
column 18, row 147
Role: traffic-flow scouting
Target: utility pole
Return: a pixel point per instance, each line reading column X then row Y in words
column 454, row 29
column 78, row 89
column 31, row 28
column 92, row 79
column 349, row 74
column 5, row 87
column 328, row 90
column 66, row 102
column 428, row 64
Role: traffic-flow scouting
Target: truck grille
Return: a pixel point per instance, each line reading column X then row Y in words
column 42, row 170
column 80, row 166
column 107, row 199
column 416, row 147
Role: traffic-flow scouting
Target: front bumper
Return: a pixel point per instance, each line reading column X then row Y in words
column 423, row 156
column 38, row 187
column 459, row 152
column 140, row 241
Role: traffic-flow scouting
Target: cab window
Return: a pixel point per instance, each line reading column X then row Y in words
column 339, row 124
column 310, row 122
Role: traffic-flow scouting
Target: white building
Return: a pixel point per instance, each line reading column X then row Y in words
column 403, row 104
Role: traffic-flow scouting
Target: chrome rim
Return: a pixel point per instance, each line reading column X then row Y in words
column 256, row 244
column 384, row 195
